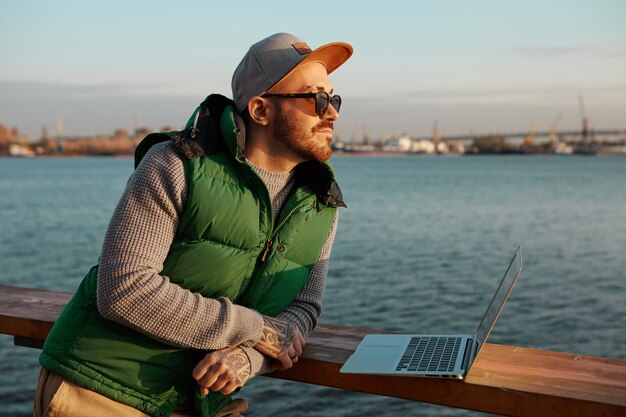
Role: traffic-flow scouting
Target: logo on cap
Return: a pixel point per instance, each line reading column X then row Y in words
column 302, row 48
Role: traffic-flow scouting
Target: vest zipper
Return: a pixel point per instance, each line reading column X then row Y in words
column 270, row 237
column 268, row 245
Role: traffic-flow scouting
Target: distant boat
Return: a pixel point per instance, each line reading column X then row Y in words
column 585, row 148
column 563, row 148
column 21, row 151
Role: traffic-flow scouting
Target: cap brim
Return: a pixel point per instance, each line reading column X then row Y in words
column 331, row 55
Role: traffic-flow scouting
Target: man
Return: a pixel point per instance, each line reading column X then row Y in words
column 219, row 243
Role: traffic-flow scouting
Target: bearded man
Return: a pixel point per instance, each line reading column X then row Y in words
column 214, row 264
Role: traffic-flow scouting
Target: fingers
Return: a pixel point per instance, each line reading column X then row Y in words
column 211, row 378
column 220, row 382
column 212, row 373
column 289, row 356
column 284, row 361
column 219, row 378
column 298, row 342
column 203, row 366
column 291, row 352
column 294, row 355
column 229, row 387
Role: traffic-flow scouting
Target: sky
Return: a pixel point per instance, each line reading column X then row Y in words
column 469, row 66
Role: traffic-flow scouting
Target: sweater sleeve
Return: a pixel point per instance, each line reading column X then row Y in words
column 131, row 290
column 305, row 309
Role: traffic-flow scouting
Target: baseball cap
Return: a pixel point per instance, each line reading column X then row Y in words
column 270, row 60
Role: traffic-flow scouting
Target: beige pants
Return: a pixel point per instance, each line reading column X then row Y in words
column 56, row 397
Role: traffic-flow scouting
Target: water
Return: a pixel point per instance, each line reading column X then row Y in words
column 420, row 248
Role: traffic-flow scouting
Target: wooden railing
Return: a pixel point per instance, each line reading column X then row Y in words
column 504, row 380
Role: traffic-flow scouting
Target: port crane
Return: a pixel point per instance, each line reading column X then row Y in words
column 585, row 146
column 585, row 120
column 552, row 132
column 530, row 137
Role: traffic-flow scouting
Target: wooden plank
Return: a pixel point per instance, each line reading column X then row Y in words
column 29, row 312
column 504, row 380
column 28, row 342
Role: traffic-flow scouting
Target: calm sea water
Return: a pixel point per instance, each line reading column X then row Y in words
column 421, row 247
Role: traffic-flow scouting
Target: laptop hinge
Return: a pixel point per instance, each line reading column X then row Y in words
column 467, row 356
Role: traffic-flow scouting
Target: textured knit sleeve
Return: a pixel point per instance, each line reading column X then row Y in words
column 131, row 290
column 305, row 309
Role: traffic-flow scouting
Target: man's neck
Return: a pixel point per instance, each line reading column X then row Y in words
column 266, row 153
column 269, row 162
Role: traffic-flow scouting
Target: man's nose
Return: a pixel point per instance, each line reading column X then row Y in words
column 331, row 113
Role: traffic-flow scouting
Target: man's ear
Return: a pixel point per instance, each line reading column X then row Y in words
column 260, row 110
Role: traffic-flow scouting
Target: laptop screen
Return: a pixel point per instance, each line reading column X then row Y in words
column 490, row 317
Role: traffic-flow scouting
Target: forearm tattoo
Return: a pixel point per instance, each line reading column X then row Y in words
column 237, row 361
column 277, row 334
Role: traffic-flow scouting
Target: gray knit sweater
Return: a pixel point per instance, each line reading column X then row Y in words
column 131, row 290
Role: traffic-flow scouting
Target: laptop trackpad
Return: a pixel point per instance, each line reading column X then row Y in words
column 378, row 352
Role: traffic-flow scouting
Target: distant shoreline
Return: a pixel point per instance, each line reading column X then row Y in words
column 371, row 154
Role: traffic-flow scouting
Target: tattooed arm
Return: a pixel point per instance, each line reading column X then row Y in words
column 281, row 341
column 277, row 335
column 227, row 369
column 223, row 370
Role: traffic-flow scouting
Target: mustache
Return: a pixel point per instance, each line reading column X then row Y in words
column 325, row 124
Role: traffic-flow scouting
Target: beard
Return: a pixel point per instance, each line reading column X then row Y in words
column 305, row 144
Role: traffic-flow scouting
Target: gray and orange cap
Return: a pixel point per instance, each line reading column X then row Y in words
column 270, row 60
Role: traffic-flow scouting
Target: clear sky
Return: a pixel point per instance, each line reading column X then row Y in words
column 480, row 66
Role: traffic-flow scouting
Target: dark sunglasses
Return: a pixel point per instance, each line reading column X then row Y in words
column 322, row 100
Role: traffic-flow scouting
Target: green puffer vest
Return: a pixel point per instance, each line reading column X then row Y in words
column 226, row 245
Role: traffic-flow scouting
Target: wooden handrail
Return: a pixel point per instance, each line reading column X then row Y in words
column 504, row 380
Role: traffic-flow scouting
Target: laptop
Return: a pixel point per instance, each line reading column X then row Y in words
column 431, row 355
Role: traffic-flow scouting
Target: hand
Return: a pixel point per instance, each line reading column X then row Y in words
column 223, row 370
column 281, row 341
column 290, row 356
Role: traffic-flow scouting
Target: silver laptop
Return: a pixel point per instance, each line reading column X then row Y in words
column 431, row 355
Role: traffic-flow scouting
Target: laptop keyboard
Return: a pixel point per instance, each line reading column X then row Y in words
column 430, row 354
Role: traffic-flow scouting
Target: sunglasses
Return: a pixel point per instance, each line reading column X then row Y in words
column 322, row 100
